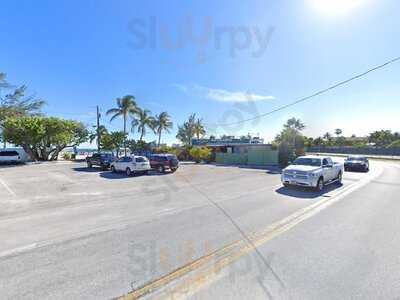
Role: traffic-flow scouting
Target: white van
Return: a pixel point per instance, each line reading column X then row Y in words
column 12, row 156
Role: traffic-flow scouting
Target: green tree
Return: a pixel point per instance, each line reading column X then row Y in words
column 43, row 137
column 126, row 107
column 17, row 103
column 319, row 141
column 381, row 138
column 341, row 141
column 328, row 138
column 338, row 132
column 143, row 122
column 285, row 153
column 199, row 129
column 186, row 132
column 168, row 149
column 162, row 123
column 138, row 146
column 291, row 132
column 102, row 131
column 290, row 141
column 294, row 124
column 113, row 141
column 308, row 142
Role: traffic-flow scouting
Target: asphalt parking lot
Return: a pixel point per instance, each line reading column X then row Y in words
column 65, row 204
column 63, row 189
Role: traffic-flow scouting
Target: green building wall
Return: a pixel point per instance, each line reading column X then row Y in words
column 252, row 157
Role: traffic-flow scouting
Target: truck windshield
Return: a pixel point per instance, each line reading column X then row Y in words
column 314, row 162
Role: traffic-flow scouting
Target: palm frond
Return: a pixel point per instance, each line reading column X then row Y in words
column 113, row 111
column 118, row 114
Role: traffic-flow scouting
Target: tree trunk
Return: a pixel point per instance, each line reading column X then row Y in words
column 125, row 133
column 159, row 139
column 30, row 152
column 55, row 152
column 44, row 155
column 141, row 134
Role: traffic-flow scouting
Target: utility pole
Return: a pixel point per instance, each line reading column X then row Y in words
column 98, row 128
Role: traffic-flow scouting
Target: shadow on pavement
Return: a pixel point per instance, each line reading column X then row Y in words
column 87, row 170
column 111, row 175
column 11, row 165
column 118, row 175
column 307, row 193
column 269, row 168
column 156, row 173
column 355, row 171
column 122, row 175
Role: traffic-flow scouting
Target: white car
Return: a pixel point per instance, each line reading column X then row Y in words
column 312, row 171
column 11, row 156
column 131, row 165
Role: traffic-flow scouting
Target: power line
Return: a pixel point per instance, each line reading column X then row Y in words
column 315, row 94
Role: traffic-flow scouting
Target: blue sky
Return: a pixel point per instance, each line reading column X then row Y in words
column 209, row 57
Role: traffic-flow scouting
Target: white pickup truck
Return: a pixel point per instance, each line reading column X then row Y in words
column 312, row 171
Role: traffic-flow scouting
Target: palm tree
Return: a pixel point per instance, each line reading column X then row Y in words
column 186, row 131
column 101, row 131
column 162, row 123
column 199, row 129
column 327, row 136
column 126, row 106
column 292, row 129
column 338, row 132
column 144, row 121
column 294, row 124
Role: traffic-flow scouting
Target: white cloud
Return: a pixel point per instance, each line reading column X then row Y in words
column 238, row 96
column 181, row 87
column 223, row 95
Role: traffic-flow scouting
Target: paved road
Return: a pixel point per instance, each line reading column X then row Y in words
column 347, row 250
column 70, row 233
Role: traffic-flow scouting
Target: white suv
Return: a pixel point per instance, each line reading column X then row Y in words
column 131, row 165
column 10, row 156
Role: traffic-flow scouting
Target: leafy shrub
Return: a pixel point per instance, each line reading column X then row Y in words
column 67, row 156
column 200, row 154
column 285, row 154
column 395, row 144
column 184, row 153
column 167, row 149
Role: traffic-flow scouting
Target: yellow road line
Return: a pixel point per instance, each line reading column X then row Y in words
column 232, row 252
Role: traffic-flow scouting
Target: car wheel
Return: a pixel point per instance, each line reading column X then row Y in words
column 89, row 165
column 160, row 169
column 286, row 185
column 173, row 170
column 113, row 169
column 128, row 172
column 320, row 185
column 340, row 177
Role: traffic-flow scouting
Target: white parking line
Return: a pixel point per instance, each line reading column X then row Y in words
column 7, row 188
